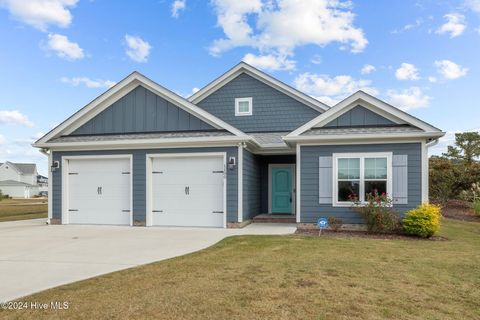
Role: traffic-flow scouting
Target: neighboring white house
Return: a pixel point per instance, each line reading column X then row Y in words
column 21, row 180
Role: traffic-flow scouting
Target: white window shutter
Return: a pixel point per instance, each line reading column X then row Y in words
column 325, row 186
column 400, row 179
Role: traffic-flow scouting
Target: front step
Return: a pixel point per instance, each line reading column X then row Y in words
column 274, row 218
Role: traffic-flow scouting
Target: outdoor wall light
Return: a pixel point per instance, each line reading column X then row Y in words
column 231, row 163
column 55, row 165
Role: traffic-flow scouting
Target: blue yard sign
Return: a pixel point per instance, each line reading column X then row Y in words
column 322, row 223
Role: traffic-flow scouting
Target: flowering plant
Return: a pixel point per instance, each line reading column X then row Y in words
column 378, row 213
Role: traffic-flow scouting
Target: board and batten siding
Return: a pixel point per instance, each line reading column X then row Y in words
column 359, row 116
column 311, row 207
column 139, row 178
column 141, row 110
column 251, row 185
column 272, row 109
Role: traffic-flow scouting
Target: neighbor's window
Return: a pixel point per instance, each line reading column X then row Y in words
column 243, row 106
column 356, row 175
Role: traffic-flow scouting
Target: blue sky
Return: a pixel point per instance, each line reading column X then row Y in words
column 58, row 55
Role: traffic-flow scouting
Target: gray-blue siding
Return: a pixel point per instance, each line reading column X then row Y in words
column 251, row 185
column 142, row 111
column 272, row 109
column 139, row 178
column 310, row 208
column 359, row 116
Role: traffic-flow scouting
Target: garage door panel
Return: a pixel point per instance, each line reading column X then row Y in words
column 188, row 220
column 196, row 163
column 178, row 177
column 99, row 191
column 188, row 191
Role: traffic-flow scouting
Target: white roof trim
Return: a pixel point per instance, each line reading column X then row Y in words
column 243, row 67
column 374, row 104
column 157, row 142
column 365, row 136
column 121, row 89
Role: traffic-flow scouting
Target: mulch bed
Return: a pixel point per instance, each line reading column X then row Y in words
column 362, row 234
column 460, row 210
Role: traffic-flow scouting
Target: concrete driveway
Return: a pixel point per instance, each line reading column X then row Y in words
column 35, row 256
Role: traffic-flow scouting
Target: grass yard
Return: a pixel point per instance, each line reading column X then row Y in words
column 289, row 277
column 22, row 209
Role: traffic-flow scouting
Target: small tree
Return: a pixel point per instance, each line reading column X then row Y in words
column 466, row 148
column 1, row 195
column 444, row 179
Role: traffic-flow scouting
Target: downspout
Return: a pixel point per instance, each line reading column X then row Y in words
column 425, row 192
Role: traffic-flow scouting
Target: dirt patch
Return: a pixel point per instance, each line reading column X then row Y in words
column 459, row 210
column 363, row 234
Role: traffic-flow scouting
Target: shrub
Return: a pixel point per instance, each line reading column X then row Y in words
column 423, row 221
column 335, row 223
column 476, row 207
column 378, row 214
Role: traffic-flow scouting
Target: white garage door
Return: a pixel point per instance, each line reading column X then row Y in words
column 99, row 191
column 188, row 191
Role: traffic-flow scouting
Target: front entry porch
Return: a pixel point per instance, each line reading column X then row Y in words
column 269, row 187
column 274, row 218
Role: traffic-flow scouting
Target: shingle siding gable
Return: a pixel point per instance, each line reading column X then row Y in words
column 272, row 109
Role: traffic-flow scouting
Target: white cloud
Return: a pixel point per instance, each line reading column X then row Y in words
column 411, row 98
column 316, row 59
column 331, row 90
column 418, row 22
column 137, row 49
column 432, row 79
column 279, row 26
column 367, row 69
column 3, row 140
column 407, row 71
column 64, row 48
column 41, row 13
column 177, row 6
column 450, row 70
column 195, row 90
column 269, row 61
column 89, row 83
column 473, row 5
column 14, row 117
column 454, row 26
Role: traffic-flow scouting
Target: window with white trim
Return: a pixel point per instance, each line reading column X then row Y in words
column 356, row 175
column 243, row 106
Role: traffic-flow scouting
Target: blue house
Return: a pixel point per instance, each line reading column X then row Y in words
column 244, row 145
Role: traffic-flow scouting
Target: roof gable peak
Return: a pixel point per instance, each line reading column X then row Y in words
column 243, row 67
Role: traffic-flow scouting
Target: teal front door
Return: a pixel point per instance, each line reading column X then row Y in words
column 281, row 189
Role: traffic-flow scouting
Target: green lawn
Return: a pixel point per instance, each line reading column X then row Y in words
column 290, row 277
column 22, row 209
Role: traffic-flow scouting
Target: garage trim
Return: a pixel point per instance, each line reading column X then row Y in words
column 149, row 160
column 65, row 163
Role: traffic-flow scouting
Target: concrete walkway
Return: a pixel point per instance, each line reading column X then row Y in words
column 35, row 256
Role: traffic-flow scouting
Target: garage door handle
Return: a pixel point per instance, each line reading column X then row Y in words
column 187, row 190
column 125, row 210
column 217, row 211
column 71, row 210
column 157, row 210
